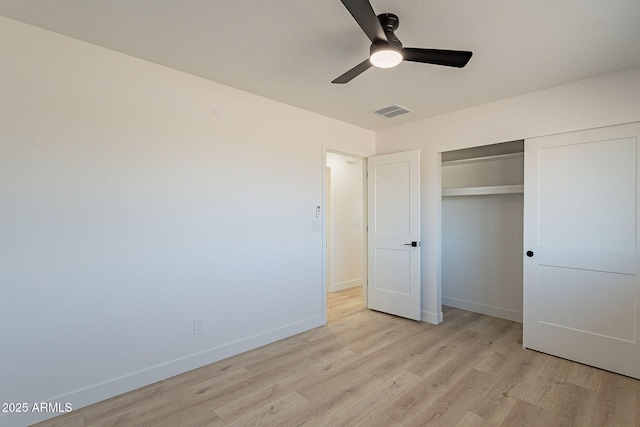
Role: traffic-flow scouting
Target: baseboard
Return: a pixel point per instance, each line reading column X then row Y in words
column 345, row 285
column 114, row 387
column 430, row 317
column 489, row 310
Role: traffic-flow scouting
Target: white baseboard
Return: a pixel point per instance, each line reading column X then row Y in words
column 430, row 317
column 126, row 383
column 489, row 310
column 335, row 287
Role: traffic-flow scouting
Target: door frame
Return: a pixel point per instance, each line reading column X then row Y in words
column 325, row 227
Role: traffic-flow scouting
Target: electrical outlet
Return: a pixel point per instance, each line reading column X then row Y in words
column 198, row 326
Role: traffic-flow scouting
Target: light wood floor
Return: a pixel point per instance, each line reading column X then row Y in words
column 372, row 369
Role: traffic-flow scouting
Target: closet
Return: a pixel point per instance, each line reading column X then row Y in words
column 482, row 229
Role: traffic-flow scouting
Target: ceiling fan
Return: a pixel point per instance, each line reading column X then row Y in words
column 386, row 50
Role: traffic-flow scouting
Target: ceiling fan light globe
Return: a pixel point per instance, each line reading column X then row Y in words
column 385, row 58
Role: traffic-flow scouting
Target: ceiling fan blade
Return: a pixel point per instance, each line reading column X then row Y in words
column 364, row 15
column 449, row 58
column 354, row 72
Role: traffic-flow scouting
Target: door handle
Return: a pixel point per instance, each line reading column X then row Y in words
column 414, row 244
column 529, row 254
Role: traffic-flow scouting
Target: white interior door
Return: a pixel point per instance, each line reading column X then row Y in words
column 581, row 233
column 394, row 234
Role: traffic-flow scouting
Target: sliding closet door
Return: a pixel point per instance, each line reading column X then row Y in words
column 581, row 264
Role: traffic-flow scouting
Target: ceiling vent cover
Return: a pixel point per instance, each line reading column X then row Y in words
column 391, row 111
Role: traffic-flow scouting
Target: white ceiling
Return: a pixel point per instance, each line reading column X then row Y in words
column 290, row 50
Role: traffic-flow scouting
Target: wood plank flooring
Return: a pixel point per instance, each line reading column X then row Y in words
column 371, row 369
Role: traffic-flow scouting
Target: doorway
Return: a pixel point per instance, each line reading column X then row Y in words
column 345, row 221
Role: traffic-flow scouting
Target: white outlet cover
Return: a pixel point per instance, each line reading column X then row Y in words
column 198, row 326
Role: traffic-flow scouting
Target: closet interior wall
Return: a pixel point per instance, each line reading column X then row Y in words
column 482, row 226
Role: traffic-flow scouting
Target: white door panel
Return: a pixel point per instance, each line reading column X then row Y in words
column 394, row 222
column 393, row 269
column 566, row 293
column 581, row 288
column 392, row 205
column 589, row 195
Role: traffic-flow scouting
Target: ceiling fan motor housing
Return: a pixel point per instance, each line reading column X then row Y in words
column 390, row 23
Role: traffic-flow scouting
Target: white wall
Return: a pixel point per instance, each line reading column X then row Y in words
column 134, row 199
column 481, row 254
column 601, row 101
column 346, row 222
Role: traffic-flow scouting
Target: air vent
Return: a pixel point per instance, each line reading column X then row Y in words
column 391, row 111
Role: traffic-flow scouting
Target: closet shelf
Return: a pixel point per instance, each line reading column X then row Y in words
column 481, row 191
column 476, row 160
